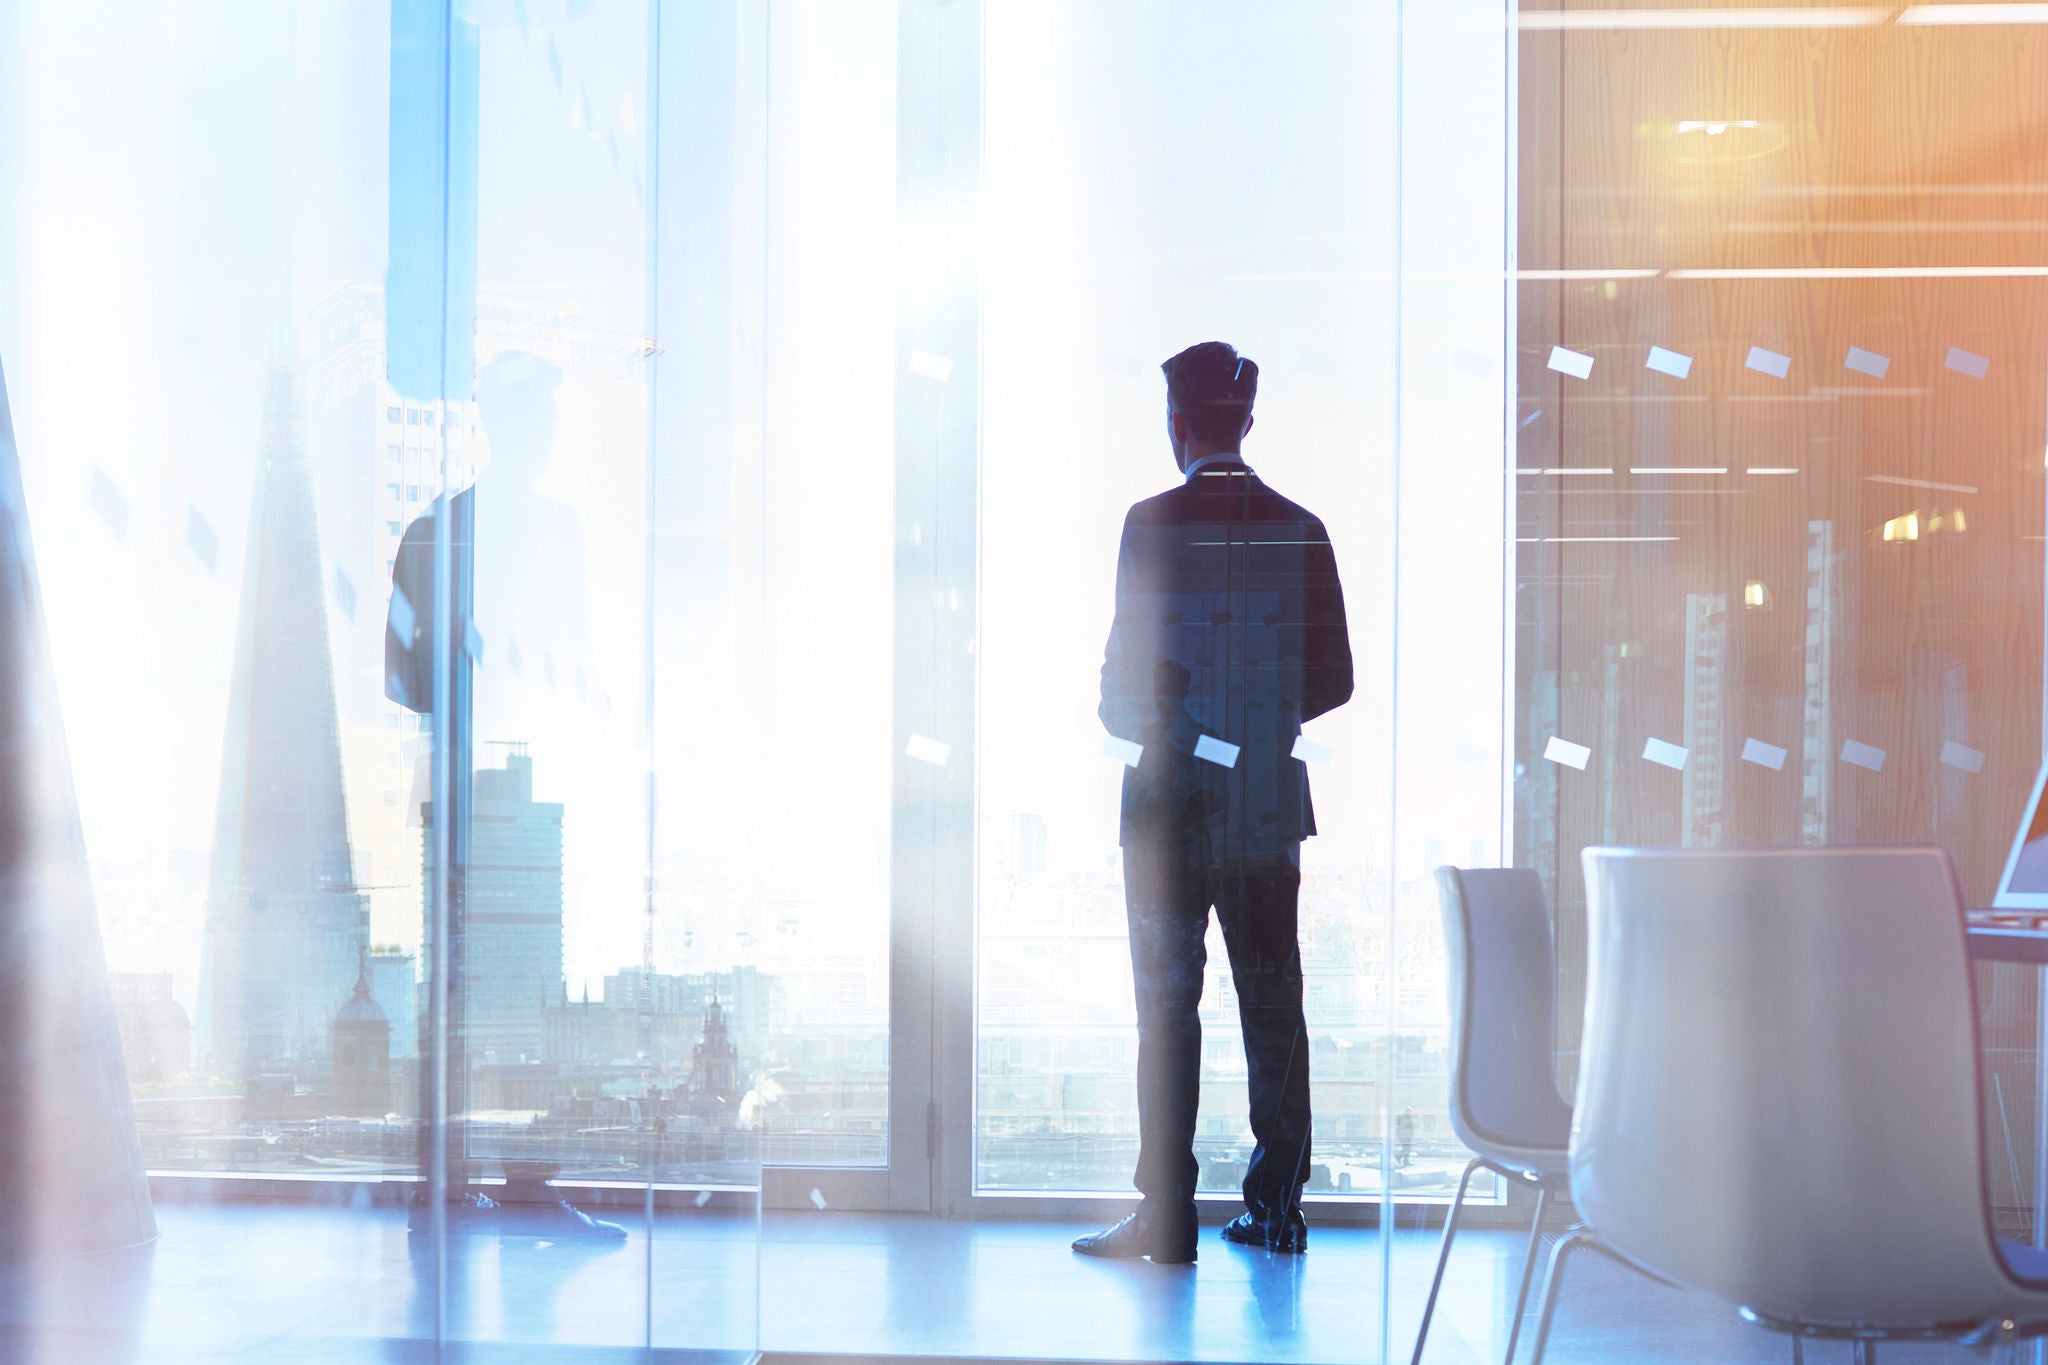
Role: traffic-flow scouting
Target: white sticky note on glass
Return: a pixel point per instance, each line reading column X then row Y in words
column 703, row 1198
column 1218, row 751
column 1867, row 362
column 1123, row 751
column 1668, row 362
column 1964, row 362
column 344, row 593
column 1666, row 754
column 818, row 1200
column 1475, row 363
column 1574, row 363
column 1763, row 755
column 403, row 619
column 1308, row 751
column 1768, row 362
column 200, row 539
column 1962, row 756
column 931, row 366
column 1863, row 755
column 1569, row 754
column 925, row 749
column 110, row 502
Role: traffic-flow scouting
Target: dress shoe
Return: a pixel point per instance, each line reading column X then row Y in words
column 1137, row 1236
column 1288, row 1232
column 471, row 1212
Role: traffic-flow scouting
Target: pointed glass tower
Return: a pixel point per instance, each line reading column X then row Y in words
column 285, row 924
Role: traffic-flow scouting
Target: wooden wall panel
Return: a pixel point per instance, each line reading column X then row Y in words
column 1872, row 148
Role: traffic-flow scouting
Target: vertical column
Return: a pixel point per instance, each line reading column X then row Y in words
column 938, row 323
column 1453, row 479
column 430, row 309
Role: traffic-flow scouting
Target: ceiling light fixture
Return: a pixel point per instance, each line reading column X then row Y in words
column 1872, row 272
column 1930, row 15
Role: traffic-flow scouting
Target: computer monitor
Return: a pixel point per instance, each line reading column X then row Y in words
column 2025, row 883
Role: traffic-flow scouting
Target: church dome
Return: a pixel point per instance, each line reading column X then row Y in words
column 361, row 1008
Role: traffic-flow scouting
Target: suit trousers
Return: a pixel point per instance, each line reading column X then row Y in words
column 1168, row 891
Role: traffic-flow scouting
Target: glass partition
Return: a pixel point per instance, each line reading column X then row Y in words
column 333, row 381
column 1779, row 477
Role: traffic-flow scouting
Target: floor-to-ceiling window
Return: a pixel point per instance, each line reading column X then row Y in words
column 1155, row 176
column 1127, row 217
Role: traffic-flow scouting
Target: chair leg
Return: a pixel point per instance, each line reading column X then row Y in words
column 1528, row 1271
column 1567, row 1244
column 1443, row 1255
column 1798, row 1350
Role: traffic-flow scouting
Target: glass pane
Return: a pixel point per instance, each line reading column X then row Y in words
column 385, row 287
column 204, row 192
column 1782, row 542
column 1121, row 223
column 1780, row 484
column 791, row 848
column 567, row 1070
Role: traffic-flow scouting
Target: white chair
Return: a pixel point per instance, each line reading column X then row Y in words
column 1778, row 1095
column 1504, row 1102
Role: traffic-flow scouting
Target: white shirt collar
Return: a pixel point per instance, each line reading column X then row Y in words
column 1216, row 457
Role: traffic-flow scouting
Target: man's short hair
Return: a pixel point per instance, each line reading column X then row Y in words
column 1213, row 387
column 517, row 374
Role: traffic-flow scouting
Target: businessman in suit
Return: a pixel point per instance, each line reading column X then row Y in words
column 1229, row 636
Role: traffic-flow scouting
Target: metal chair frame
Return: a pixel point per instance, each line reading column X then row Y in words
column 1863, row 1341
column 1543, row 1192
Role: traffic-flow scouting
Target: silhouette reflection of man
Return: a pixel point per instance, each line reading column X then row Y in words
column 1229, row 635
column 516, row 574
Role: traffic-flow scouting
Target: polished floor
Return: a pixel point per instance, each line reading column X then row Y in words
column 250, row 1282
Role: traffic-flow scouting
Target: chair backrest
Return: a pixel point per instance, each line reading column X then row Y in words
column 1497, row 936
column 1778, row 1099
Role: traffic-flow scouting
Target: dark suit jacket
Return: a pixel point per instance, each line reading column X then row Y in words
column 1230, row 624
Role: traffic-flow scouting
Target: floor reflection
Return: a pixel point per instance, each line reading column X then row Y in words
column 510, row 1287
column 77, row 1308
column 255, row 1282
column 1276, row 1294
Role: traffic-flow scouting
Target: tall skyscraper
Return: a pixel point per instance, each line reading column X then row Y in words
column 285, row 924
column 514, row 913
column 1817, row 740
